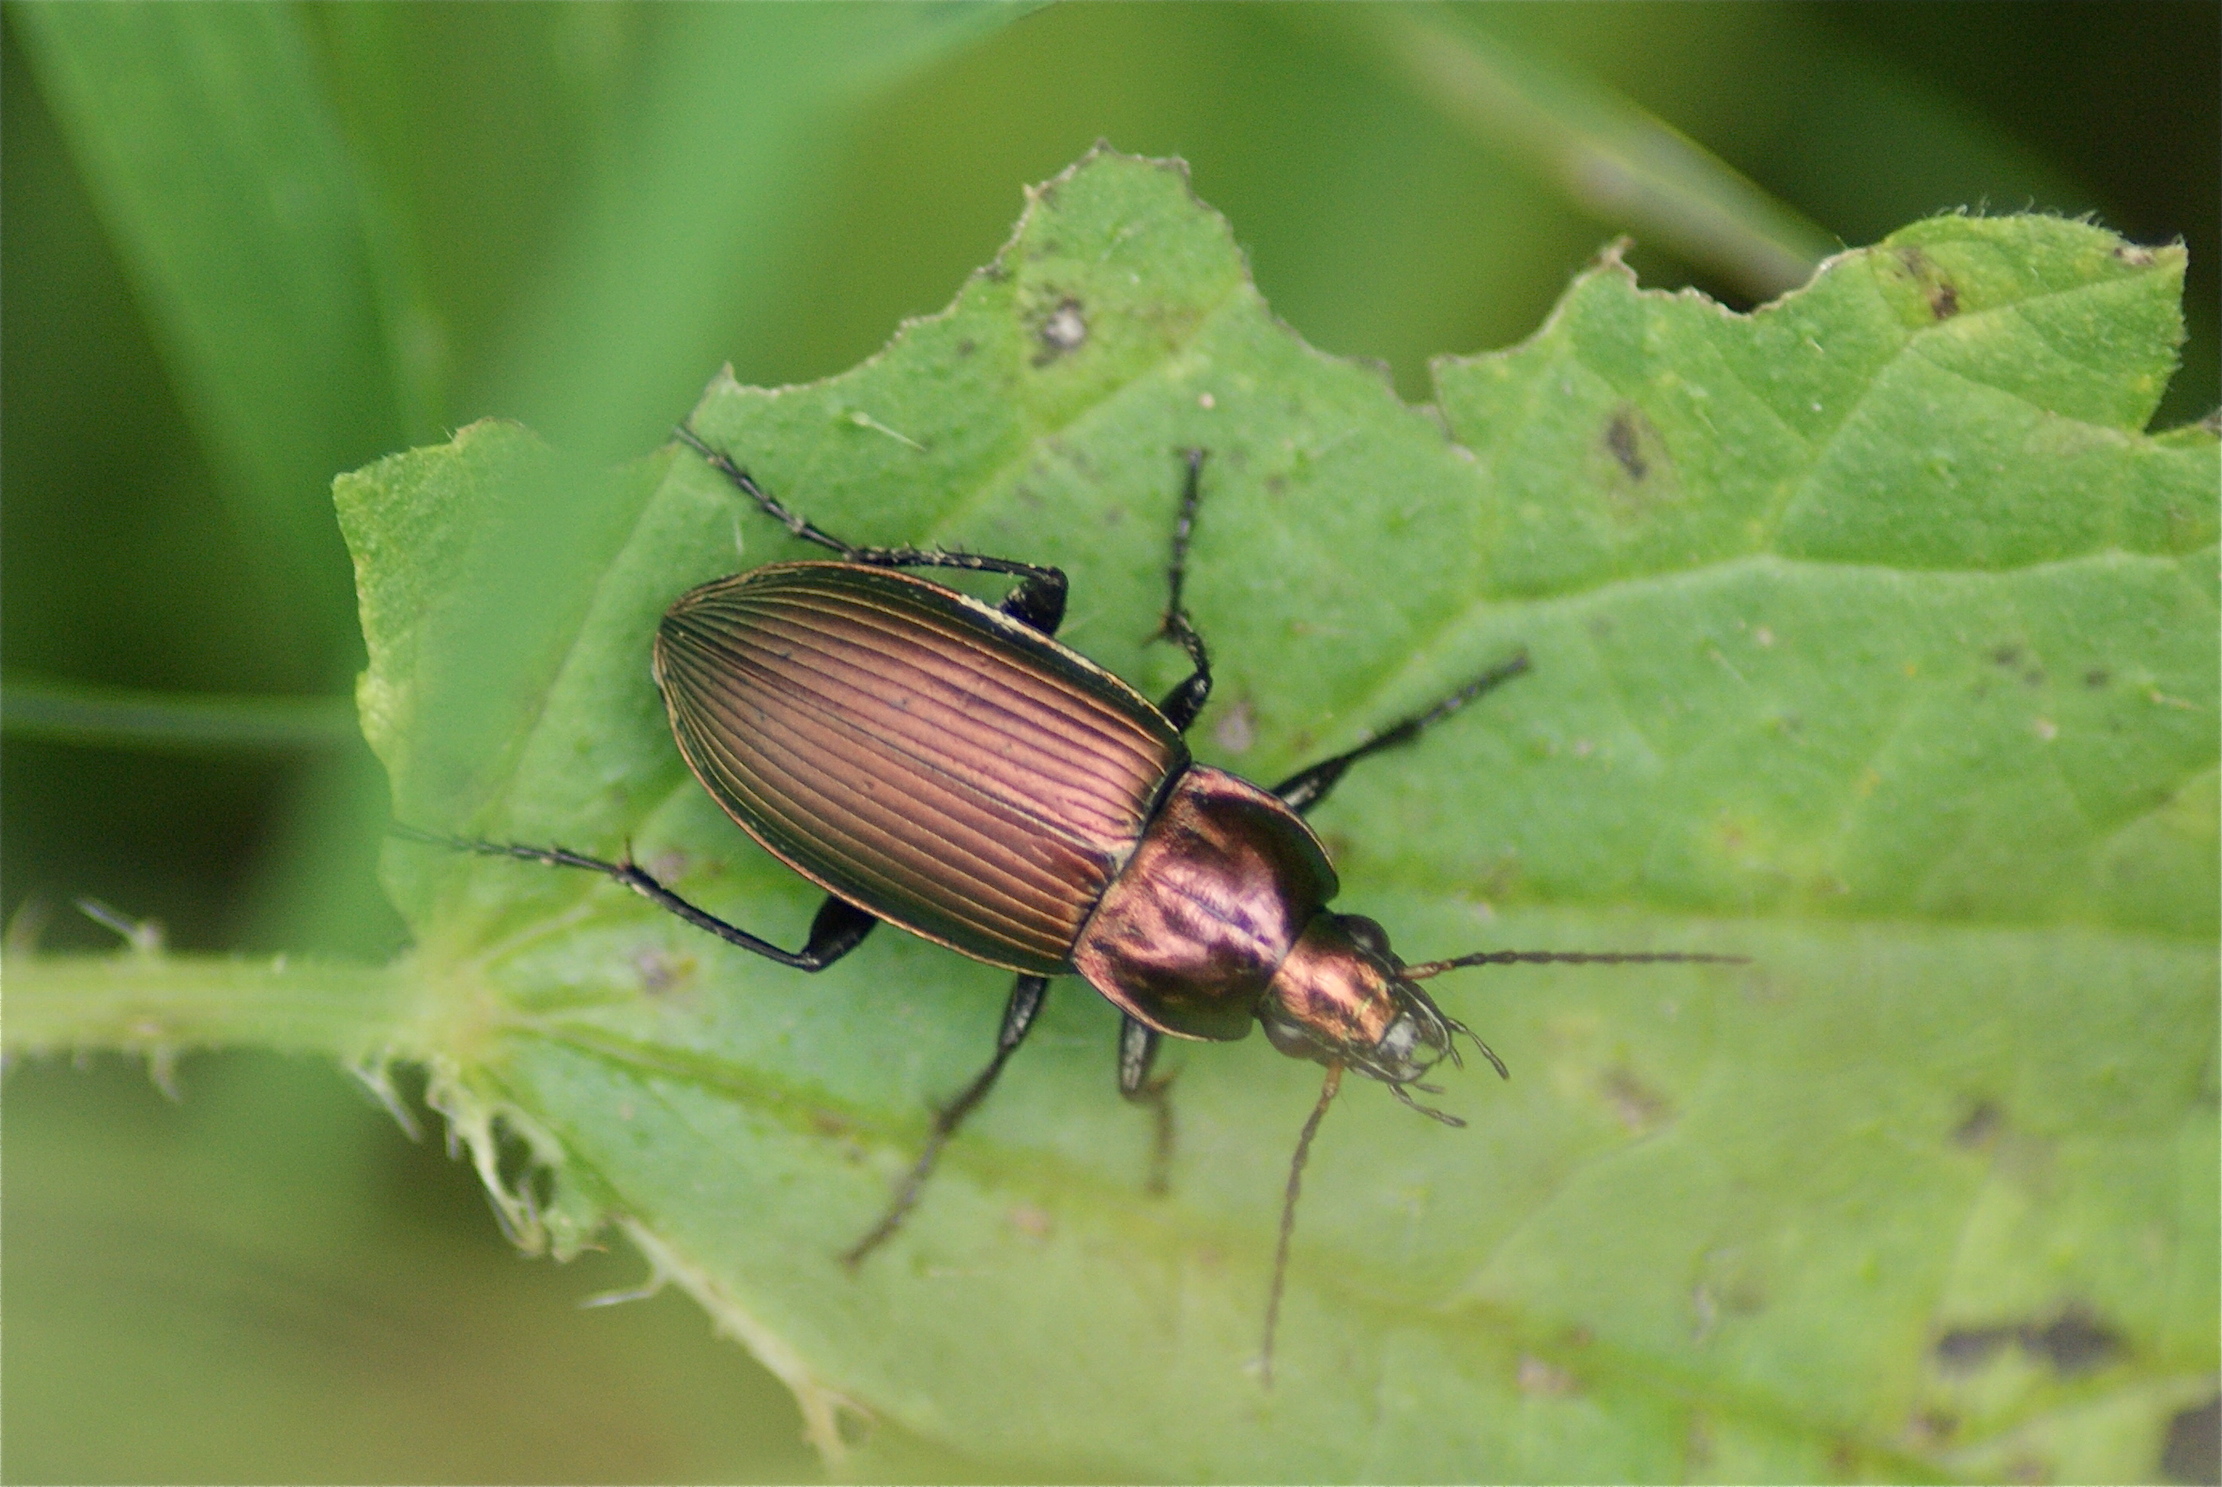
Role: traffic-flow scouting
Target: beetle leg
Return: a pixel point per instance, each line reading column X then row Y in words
column 1038, row 601
column 1138, row 1046
column 839, row 927
column 1307, row 788
column 1027, row 995
column 1186, row 700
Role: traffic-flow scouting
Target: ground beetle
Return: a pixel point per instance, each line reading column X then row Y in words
column 950, row 768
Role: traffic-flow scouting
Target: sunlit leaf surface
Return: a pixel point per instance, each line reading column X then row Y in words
column 1872, row 638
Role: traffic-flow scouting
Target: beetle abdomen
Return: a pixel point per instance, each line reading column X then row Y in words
column 914, row 751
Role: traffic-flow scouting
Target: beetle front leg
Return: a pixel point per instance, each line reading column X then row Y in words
column 1186, row 700
column 1138, row 1047
column 1308, row 787
column 1027, row 995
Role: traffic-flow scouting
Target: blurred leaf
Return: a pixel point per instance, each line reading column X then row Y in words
column 1872, row 620
column 210, row 147
column 685, row 242
column 267, row 1283
column 1619, row 163
column 80, row 712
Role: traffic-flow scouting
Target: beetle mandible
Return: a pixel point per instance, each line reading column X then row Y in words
column 947, row 766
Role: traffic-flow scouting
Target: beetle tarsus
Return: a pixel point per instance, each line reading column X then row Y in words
column 1308, row 787
column 1139, row 1044
column 1044, row 587
column 1185, row 701
column 839, row 927
column 742, row 481
column 1027, row 995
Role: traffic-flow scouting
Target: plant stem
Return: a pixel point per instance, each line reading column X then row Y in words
column 156, row 1003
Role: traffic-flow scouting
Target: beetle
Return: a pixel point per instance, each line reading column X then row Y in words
column 946, row 766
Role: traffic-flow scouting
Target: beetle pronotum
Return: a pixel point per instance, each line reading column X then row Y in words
column 948, row 767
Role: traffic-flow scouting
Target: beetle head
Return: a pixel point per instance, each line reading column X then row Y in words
column 1342, row 997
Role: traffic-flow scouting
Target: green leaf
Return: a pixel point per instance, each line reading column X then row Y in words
column 665, row 256
column 1872, row 639
column 265, row 269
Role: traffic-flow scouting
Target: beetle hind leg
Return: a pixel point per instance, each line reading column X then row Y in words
column 1138, row 1048
column 1308, row 787
column 1027, row 995
column 1038, row 601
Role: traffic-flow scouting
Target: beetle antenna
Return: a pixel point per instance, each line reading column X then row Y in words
column 1429, row 1111
column 1427, row 968
column 1327, row 1092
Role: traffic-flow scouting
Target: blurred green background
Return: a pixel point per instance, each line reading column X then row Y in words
column 249, row 247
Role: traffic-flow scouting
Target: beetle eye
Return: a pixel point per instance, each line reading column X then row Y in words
column 1289, row 1036
column 1366, row 934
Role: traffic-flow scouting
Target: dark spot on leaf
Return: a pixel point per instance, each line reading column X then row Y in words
column 2096, row 678
column 1934, row 1427
column 2028, row 1469
column 1631, row 464
column 1943, row 295
column 1062, row 330
column 2074, row 1342
column 2006, row 655
column 1965, row 1349
column 2034, row 676
column 1620, row 438
column 1981, row 1125
column 967, row 346
column 1843, row 1457
column 1600, row 626
column 2193, row 1450
column 660, row 971
column 1635, row 1104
